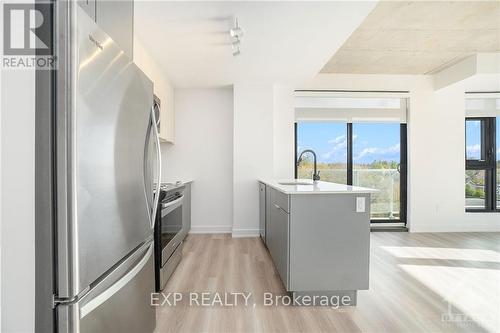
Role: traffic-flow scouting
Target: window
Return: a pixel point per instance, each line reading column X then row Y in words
column 359, row 139
column 473, row 133
column 355, row 153
column 482, row 164
column 329, row 141
column 497, row 146
column 475, row 194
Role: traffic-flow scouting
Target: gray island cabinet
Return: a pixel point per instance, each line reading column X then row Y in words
column 318, row 235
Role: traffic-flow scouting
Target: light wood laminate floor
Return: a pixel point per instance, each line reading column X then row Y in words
column 442, row 282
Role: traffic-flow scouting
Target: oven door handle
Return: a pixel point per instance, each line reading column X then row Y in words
column 172, row 203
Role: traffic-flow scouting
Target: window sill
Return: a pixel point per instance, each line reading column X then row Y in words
column 482, row 211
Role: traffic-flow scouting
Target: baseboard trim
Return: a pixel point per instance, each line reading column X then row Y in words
column 210, row 229
column 386, row 229
column 237, row 233
column 422, row 228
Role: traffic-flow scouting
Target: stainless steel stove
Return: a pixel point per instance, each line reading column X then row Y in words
column 168, row 232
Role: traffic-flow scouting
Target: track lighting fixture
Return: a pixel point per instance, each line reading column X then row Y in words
column 236, row 33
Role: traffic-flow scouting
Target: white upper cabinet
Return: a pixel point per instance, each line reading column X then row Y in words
column 116, row 18
column 162, row 89
column 88, row 6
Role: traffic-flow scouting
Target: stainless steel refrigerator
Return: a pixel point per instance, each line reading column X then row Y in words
column 105, row 167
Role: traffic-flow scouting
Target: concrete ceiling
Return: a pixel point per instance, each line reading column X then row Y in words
column 283, row 42
column 418, row 37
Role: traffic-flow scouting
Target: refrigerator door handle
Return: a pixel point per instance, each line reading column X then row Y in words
column 145, row 168
column 158, row 161
column 114, row 288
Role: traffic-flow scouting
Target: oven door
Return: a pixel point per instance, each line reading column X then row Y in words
column 170, row 227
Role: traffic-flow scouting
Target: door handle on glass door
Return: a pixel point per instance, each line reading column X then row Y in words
column 158, row 161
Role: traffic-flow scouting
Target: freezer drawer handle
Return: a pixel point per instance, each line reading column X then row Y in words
column 108, row 293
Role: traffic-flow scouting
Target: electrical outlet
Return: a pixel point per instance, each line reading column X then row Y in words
column 360, row 205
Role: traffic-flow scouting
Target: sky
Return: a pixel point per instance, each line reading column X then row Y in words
column 371, row 141
column 473, row 139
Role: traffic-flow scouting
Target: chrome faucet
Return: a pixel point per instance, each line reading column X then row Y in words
column 315, row 175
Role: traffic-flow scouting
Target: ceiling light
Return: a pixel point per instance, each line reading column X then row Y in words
column 236, row 48
column 236, row 31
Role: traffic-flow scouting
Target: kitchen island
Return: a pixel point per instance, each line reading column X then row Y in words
column 318, row 235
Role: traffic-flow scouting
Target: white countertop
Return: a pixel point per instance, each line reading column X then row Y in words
column 184, row 181
column 175, row 184
column 318, row 187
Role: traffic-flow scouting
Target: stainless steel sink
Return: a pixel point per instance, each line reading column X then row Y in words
column 295, row 183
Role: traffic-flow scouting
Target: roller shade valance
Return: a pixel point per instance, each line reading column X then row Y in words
column 350, row 109
column 483, row 107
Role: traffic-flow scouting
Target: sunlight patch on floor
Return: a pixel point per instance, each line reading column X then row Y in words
column 443, row 253
column 472, row 293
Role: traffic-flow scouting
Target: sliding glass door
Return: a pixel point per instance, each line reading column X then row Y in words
column 497, row 188
column 376, row 163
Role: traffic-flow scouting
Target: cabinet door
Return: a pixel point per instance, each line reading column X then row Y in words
column 116, row 18
column 269, row 207
column 330, row 251
column 262, row 211
column 278, row 247
column 186, row 211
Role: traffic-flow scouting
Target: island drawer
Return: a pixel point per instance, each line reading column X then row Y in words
column 280, row 199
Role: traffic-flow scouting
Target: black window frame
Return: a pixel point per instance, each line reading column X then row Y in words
column 403, row 169
column 487, row 163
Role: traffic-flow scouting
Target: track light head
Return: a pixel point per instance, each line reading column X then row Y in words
column 236, row 31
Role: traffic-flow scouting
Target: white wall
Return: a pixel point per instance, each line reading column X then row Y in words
column 436, row 139
column 203, row 152
column 284, row 119
column 162, row 88
column 253, row 146
column 226, row 139
column 476, row 64
column 437, row 188
column 17, row 201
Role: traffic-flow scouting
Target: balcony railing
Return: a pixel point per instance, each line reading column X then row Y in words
column 385, row 204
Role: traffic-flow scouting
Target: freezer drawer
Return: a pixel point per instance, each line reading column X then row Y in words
column 118, row 303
